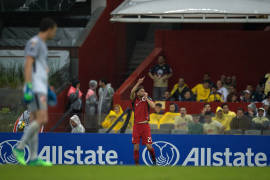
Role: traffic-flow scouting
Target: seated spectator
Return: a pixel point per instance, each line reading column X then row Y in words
column 202, row 91
column 260, row 122
column 224, row 120
column 252, row 111
column 157, row 115
column 169, row 117
column 160, row 73
column 179, row 90
column 251, row 90
column 232, row 97
column 76, row 125
column 228, row 82
column 259, row 95
column 181, row 122
column 214, row 96
column 266, row 106
column 188, row 96
column 166, row 96
column 75, row 98
column 267, row 84
column 105, row 93
column 227, row 113
column 246, row 96
column 212, row 126
column 241, row 121
column 234, row 81
column 206, row 110
column 195, row 127
column 223, row 79
column 222, row 90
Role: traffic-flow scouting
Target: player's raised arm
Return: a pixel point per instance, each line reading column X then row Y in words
column 132, row 94
column 149, row 101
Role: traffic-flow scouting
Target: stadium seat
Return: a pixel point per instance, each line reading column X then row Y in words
column 179, row 131
column 266, row 132
column 160, row 131
column 167, row 126
column 253, row 132
column 234, row 132
column 153, row 126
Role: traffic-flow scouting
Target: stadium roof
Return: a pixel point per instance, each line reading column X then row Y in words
column 193, row 11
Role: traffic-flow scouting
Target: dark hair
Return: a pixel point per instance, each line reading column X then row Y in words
column 240, row 109
column 139, row 88
column 206, row 81
column 224, row 104
column 159, row 105
column 75, row 82
column 206, row 104
column 104, row 81
column 208, row 113
column 46, row 23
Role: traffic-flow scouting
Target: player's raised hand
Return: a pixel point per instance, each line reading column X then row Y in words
column 140, row 80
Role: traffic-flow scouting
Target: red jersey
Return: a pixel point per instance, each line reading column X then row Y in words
column 141, row 110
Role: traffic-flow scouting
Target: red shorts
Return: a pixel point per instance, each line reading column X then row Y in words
column 141, row 131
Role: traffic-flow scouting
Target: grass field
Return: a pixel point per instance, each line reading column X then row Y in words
column 13, row 172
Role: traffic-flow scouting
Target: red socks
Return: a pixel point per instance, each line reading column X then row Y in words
column 136, row 157
column 153, row 156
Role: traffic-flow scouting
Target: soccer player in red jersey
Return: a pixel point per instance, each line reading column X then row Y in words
column 141, row 130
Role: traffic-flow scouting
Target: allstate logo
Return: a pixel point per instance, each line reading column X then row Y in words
column 6, row 155
column 167, row 154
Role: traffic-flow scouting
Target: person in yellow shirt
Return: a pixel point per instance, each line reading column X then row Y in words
column 267, row 84
column 212, row 126
column 179, row 90
column 113, row 116
column 157, row 115
column 227, row 113
column 222, row 119
column 215, row 96
column 202, row 91
column 181, row 122
column 169, row 117
column 260, row 122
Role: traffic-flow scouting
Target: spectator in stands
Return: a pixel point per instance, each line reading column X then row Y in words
column 234, row 81
column 224, row 120
column 166, row 96
column 157, row 115
column 202, row 91
column 228, row 82
column 241, row 121
column 251, row 90
column 206, row 110
column 259, row 95
column 214, row 96
column 188, row 96
column 181, row 122
column 227, row 113
column 267, row 84
column 206, row 77
column 160, row 74
column 222, row 90
column 260, row 122
column 223, row 79
column 252, row 111
column 232, row 97
column 105, row 93
column 76, row 125
column 212, row 126
column 195, row 127
column 75, row 98
column 179, row 90
column 246, row 96
column 266, row 105
column 169, row 117
column 91, row 102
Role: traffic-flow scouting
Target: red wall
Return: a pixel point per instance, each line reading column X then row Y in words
column 102, row 55
column 192, row 53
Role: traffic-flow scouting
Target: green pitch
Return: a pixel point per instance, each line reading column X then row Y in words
column 9, row 172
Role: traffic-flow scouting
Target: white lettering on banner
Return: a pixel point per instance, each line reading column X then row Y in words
column 197, row 157
column 78, row 156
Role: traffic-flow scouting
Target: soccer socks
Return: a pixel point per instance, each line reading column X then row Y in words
column 28, row 134
column 153, row 156
column 33, row 144
column 136, row 157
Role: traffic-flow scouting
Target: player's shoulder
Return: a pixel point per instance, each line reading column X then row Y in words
column 34, row 41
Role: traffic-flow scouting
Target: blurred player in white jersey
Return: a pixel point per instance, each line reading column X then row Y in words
column 37, row 94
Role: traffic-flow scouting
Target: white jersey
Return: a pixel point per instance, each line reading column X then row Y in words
column 37, row 49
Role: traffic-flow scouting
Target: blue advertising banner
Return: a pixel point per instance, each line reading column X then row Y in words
column 171, row 150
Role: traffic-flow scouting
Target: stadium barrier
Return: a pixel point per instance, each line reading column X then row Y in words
column 171, row 150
